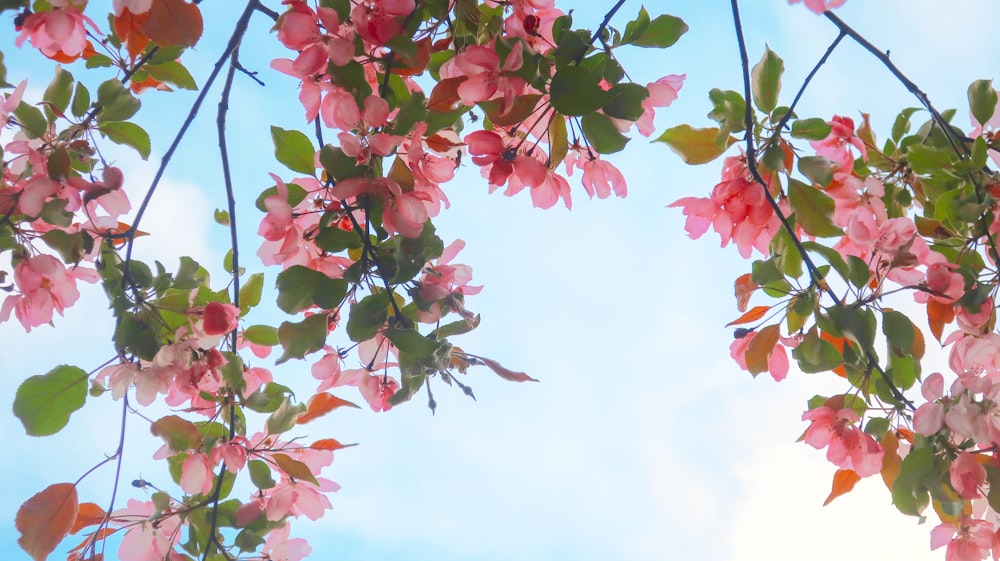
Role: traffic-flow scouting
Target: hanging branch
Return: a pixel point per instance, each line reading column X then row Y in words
column 815, row 275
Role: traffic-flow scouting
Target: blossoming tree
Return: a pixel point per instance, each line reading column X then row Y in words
column 842, row 223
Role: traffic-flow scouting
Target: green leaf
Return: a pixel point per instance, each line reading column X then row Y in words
column 602, row 134
column 982, row 100
column 31, row 120
column 250, row 292
column 117, row 103
column 813, row 210
column 729, row 110
column 127, row 133
column 558, row 141
column 261, row 335
column 811, row 129
column 44, row 403
column 301, row 338
column 899, row 332
column 59, row 92
column 575, row 92
column 260, row 474
column 172, row 72
column 81, row 100
column 368, row 316
column 300, row 288
column 766, row 81
column 817, row 168
column 294, row 149
column 335, row 240
column 284, row 417
column 855, row 324
column 815, row 354
column 909, row 492
column 695, row 146
column 662, row 32
column 411, row 341
column 71, row 247
column 338, row 165
column 635, row 28
column 832, row 257
column 927, row 160
column 627, row 103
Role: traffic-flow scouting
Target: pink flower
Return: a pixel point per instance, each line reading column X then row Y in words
column 377, row 389
column 847, row 447
column 837, row 145
column 58, row 32
column 485, row 78
column 278, row 547
column 145, row 540
column 379, row 20
column 196, row 474
column 975, row 539
column 777, row 359
column 134, row 6
column 45, row 286
column 820, row 6
column 662, row 93
column 929, row 417
column 967, row 475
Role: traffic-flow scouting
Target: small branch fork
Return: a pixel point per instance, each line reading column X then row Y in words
column 751, row 154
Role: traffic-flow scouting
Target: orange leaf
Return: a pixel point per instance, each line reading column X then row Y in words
column 841, row 344
column 891, row 461
column 45, row 519
column 753, row 315
column 87, row 515
column 843, row 481
column 173, row 22
column 760, row 348
column 504, row 373
column 128, row 27
column 321, row 404
column 294, row 468
column 939, row 315
column 745, row 287
column 329, row 444
column 438, row 143
column 444, row 96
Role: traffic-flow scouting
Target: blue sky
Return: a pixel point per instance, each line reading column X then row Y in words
column 643, row 440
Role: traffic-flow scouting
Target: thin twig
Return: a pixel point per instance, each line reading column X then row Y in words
column 805, row 83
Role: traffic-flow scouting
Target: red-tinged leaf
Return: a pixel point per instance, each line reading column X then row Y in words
column 128, row 27
column 745, row 287
column 905, row 434
column 753, row 315
column 329, row 444
column 760, row 348
column 321, row 404
column 294, row 468
column 45, row 519
column 504, row 373
column 890, row 459
column 939, row 315
column 843, row 481
column 438, row 143
column 173, row 22
column 88, row 514
column 841, row 345
column 444, row 96
column 179, row 434
column 517, row 113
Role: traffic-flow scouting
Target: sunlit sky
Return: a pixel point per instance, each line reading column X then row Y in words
column 643, row 440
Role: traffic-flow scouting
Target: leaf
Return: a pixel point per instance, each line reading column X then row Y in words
column 938, row 315
column 411, row 341
column 627, row 103
column 745, row 287
column 575, row 92
column 909, row 492
column 321, row 404
column 300, row 288
column 815, row 354
column 116, row 102
column 127, row 133
column 59, row 91
column 843, row 481
column 294, row 468
column 329, row 444
column 766, row 80
column 179, row 434
column 695, row 146
column 753, row 315
column 558, row 141
column 662, row 32
column 172, row 72
column 294, row 149
column 368, row 316
column 302, row 338
column 31, row 120
column 44, row 403
column 261, row 335
column 173, row 22
column 818, row 169
column 982, row 100
column 811, row 129
column 46, row 518
column 760, row 348
column 260, row 474
column 602, row 134
column 504, row 373
column 813, row 210
column 250, row 292
column 88, row 514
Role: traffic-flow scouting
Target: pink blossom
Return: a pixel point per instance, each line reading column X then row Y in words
column 968, row 539
column 777, row 358
column 380, row 20
column 929, row 417
column 218, row 318
column 662, row 93
column 134, row 6
column 58, row 32
column 967, row 475
column 277, row 546
column 837, row 145
column 820, row 6
column 485, row 78
column 46, row 286
column 145, row 540
column 196, row 474
column 847, row 447
column 377, row 389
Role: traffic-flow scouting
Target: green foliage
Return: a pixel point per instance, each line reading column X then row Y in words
column 44, row 403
